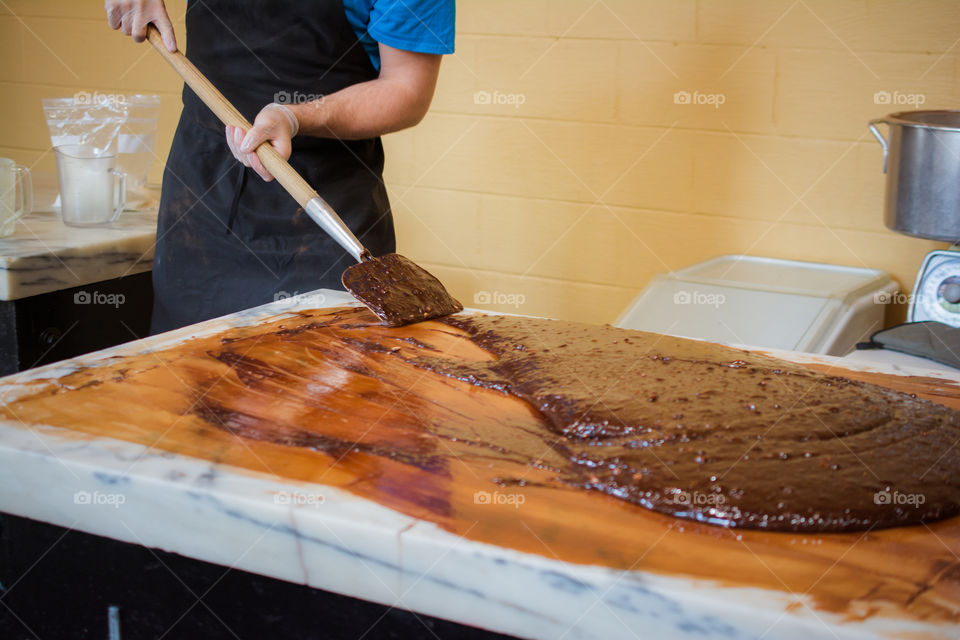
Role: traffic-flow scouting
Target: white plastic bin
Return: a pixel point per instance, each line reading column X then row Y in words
column 766, row 302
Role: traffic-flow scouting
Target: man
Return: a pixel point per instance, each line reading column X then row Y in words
column 321, row 80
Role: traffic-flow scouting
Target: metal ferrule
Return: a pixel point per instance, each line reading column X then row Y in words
column 324, row 215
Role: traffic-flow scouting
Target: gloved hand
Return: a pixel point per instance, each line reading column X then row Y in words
column 275, row 123
column 133, row 16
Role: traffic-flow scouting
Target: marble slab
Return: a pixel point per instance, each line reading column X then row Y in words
column 45, row 255
column 329, row 539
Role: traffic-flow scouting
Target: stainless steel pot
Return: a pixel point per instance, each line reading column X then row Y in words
column 922, row 163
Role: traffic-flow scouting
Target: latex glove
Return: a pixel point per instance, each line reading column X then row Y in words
column 133, row 16
column 275, row 123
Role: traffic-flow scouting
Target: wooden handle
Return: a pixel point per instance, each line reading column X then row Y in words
column 286, row 175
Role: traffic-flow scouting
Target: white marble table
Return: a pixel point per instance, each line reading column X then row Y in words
column 333, row 540
column 44, row 255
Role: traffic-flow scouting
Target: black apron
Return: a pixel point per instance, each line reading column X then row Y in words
column 226, row 240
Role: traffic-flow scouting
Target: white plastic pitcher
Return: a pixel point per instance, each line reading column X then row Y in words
column 92, row 190
column 16, row 195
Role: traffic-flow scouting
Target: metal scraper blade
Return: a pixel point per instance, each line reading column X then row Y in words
column 398, row 290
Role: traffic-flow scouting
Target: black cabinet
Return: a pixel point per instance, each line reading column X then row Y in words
column 62, row 324
column 58, row 584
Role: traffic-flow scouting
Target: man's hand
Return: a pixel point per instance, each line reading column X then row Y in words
column 398, row 98
column 275, row 123
column 133, row 16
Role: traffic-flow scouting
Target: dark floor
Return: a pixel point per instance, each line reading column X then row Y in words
column 57, row 584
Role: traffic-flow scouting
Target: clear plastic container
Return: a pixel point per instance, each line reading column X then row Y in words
column 92, row 190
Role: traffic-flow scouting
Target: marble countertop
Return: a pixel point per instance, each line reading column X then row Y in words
column 334, row 540
column 44, row 255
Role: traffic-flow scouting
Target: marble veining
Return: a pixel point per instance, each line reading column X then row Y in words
column 44, row 255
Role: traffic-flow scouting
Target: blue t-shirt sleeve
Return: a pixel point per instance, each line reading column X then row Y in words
column 424, row 26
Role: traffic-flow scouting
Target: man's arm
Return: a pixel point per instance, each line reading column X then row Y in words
column 397, row 99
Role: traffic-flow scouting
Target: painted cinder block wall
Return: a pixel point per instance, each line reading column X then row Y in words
column 577, row 147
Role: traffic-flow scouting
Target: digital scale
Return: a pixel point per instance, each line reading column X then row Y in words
column 936, row 294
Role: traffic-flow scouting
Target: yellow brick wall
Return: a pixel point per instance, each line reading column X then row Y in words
column 582, row 177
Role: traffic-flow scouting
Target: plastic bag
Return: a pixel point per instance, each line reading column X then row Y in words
column 126, row 125
column 135, row 147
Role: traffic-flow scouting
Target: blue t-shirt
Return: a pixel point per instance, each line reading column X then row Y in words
column 424, row 26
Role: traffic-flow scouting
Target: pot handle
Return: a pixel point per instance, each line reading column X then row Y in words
column 882, row 140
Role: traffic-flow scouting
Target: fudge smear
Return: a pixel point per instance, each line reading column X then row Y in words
column 719, row 435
